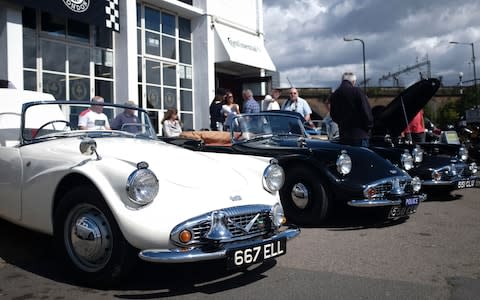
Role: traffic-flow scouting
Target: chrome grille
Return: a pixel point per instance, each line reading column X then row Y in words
column 391, row 186
column 453, row 171
column 236, row 220
column 260, row 226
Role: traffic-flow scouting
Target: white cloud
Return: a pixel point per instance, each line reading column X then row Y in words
column 305, row 38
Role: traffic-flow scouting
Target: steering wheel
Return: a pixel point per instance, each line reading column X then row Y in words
column 67, row 124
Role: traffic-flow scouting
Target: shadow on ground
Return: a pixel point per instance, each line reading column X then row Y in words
column 33, row 252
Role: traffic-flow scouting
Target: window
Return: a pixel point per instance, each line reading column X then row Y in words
column 164, row 48
column 70, row 59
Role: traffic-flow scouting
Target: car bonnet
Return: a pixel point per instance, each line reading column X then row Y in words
column 414, row 98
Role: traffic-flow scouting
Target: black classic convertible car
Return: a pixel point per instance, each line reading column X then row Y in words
column 319, row 174
column 442, row 167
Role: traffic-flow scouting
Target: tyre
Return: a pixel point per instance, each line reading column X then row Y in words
column 89, row 240
column 304, row 198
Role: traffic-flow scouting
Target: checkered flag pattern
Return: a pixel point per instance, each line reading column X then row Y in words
column 112, row 19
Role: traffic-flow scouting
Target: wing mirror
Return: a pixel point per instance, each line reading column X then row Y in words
column 88, row 147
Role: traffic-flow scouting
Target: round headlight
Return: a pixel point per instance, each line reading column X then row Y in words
column 473, row 168
column 417, row 154
column 273, row 177
column 407, row 160
column 142, row 186
column 278, row 217
column 344, row 163
column 416, row 184
column 463, row 153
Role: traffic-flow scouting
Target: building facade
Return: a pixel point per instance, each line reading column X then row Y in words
column 158, row 53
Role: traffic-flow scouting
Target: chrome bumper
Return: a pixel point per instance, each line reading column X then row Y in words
column 180, row 255
column 381, row 202
column 454, row 182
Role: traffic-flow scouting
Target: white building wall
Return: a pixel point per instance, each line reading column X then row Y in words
column 11, row 40
column 243, row 13
column 126, row 67
column 203, row 70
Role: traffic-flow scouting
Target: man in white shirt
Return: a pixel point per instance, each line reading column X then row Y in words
column 300, row 105
column 94, row 118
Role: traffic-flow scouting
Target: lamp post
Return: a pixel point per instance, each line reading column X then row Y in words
column 363, row 50
column 473, row 61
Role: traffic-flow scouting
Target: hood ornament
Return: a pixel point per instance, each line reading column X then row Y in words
column 218, row 230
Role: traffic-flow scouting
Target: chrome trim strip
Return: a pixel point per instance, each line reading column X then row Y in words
column 382, row 202
column 179, row 255
column 373, row 202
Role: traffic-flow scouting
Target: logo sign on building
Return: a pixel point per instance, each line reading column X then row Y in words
column 104, row 13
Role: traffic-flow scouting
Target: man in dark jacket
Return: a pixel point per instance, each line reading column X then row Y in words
column 350, row 109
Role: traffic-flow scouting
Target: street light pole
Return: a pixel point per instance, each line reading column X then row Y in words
column 364, row 69
column 473, row 61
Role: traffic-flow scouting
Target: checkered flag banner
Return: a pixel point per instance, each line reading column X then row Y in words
column 112, row 19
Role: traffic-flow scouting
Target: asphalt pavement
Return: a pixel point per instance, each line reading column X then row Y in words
column 435, row 254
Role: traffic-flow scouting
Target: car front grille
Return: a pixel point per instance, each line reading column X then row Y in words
column 392, row 186
column 453, row 171
column 234, row 225
column 242, row 222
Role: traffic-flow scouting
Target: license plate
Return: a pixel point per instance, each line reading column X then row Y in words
column 462, row 184
column 411, row 201
column 401, row 211
column 255, row 254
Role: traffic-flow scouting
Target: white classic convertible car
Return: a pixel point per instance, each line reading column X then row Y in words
column 108, row 195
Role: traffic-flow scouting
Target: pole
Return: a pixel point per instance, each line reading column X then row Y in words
column 346, row 39
column 364, row 69
column 474, row 68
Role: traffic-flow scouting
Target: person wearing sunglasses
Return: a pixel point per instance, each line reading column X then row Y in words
column 300, row 105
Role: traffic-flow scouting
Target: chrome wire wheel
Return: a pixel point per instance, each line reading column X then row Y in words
column 88, row 237
column 300, row 195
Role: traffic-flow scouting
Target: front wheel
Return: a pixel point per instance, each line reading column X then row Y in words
column 304, row 197
column 89, row 239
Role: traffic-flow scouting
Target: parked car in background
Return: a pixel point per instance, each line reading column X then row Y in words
column 108, row 196
column 442, row 165
column 319, row 174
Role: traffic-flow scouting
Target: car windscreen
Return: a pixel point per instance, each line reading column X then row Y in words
column 61, row 119
column 252, row 126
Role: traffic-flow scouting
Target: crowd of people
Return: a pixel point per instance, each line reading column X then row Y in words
column 349, row 116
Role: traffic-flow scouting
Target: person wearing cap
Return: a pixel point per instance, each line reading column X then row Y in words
column 127, row 119
column 94, row 118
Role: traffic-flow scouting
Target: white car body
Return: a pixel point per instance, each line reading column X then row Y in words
column 34, row 174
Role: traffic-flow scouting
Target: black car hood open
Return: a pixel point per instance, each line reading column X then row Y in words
column 391, row 118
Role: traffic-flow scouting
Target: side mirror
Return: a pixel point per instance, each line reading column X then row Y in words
column 88, row 147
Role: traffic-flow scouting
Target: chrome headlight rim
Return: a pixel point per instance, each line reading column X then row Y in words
column 463, row 153
column 416, row 184
column 344, row 163
column 273, row 177
column 277, row 215
column 417, row 154
column 407, row 160
column 142, row 186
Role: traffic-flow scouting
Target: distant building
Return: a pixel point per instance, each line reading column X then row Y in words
column 160, row 53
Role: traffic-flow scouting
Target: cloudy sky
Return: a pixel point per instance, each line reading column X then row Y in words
column 305, row 39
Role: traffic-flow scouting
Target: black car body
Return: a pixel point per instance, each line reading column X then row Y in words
column 441, row 167
column 319, row 174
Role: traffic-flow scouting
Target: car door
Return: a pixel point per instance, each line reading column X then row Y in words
column 10, row 182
